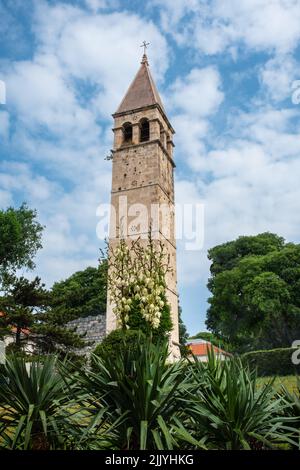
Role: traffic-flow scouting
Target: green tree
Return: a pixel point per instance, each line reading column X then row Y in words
column 82, row 294
column 183, row 334
column 118, row 341
column 20, row 238
column 226, row 256
column 53, row 337
column 28, row 318
column 21, row 299
column 255, row 285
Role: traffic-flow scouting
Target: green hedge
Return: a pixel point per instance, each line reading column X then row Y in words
column 272, row 361
column 116, row 341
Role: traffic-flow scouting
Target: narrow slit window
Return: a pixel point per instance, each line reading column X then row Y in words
column 144, row 130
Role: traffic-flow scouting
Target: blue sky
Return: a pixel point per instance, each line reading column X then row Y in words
column 227, row 75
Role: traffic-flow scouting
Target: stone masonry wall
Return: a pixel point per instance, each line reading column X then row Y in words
column 94, row 327
column 142, row 174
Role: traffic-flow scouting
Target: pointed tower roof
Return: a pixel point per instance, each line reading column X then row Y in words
column 142, row 91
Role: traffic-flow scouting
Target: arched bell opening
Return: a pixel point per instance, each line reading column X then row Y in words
column 127, row 132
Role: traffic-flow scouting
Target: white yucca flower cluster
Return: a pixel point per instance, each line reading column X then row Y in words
column 137, row 273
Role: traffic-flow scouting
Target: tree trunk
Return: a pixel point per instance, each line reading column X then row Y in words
column 18, row 337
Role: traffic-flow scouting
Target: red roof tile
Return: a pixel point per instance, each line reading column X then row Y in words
column 24, row 331
column 201, row 349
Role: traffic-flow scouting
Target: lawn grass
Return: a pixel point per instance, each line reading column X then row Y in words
column 288, row 381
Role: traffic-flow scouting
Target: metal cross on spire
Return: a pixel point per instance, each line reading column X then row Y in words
column 145, row 45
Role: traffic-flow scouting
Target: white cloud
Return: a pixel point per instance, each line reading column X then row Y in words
column 55, row 110
column 192, row 265
column 248, row 180
column 17, row 177
column 61, row 100
column 198, row 94
column 69, row 216
column 277, row 76
column 100, row 49
column 96, row 5
column 246, row 173
column 217, row 25
column 276, row 130
column 2, row 92
column 189, row 138
column 4, row 125
column 6, row 199
column 193, row 99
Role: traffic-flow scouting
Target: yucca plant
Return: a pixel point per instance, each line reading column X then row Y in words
column 35, row 405
column 141, row 390
column 292, row 410
column 226, row 406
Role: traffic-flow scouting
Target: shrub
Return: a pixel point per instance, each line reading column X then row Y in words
column 292, row 409
column 227, row 409
column 136, row 399
column 116, row 342
column 34, row 405
column 140, row 391
column 272, row 361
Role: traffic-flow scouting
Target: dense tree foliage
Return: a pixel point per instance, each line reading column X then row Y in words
column 20, row 301
column 116, row 342
column 183, row 333
column 82, row 294
column 29, row 318
column 255, row 286
column 20, row 238
column 30, row 314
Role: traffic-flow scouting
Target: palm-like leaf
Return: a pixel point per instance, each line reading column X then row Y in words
column 227, row 407
column 34, row 405
column 291, row 409
column 140, row 389
column 140, row 401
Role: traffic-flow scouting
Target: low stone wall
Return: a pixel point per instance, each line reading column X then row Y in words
column 93, row 326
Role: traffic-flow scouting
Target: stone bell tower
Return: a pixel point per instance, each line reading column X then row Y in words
column 142, row 174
